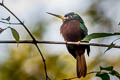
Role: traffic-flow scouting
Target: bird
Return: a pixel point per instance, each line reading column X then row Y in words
column 73, row 29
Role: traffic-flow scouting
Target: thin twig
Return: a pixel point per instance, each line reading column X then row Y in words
column 93, row 72
column 2, row 1
column 47, row 78
column 56, row 42
column 10, row 23
column 77, row 77
column 34, row 40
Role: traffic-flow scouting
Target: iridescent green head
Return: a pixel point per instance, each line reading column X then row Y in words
column 73, row 15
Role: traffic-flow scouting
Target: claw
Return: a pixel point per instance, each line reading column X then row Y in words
column 78, row 42
column 65, row 41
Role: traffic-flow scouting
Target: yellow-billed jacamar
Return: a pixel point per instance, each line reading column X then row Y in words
column 73, row 29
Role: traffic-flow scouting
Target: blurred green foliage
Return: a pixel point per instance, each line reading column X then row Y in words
column 39, row 30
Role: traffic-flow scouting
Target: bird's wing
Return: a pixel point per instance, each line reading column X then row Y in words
column 83, row 27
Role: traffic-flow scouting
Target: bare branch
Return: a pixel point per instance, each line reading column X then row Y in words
column 47, row 78
column 55, row 42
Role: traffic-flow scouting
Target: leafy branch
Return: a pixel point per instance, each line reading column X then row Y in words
column 104, row 73
column 34, row 40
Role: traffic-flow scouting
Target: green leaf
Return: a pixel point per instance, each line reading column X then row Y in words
column 115, row 73
column 110, row 47
column 110, row 68
column 7, row 19
column 98, row 35
column 103, row 76
column 1, row 30
column 15, row 34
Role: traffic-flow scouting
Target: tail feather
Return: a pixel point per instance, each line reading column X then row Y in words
column 81, row 65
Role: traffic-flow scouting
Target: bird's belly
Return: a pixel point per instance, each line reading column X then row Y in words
column 71, row 31
column 71, row 37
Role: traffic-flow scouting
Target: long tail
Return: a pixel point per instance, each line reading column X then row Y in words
column 81, row 64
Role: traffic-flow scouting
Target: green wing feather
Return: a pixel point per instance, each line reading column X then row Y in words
column 83, row 27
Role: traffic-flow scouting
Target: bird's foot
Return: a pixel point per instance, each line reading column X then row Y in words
column 78, row 42
column 66, row 41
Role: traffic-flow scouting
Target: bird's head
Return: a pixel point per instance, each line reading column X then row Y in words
column 69, row 16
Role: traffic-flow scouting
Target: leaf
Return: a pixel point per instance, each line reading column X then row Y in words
column 103, row 76
column 7, row 19
column 110, row 68
column 110, row 47
column 119, row 23
column 115, row 73
column 98, row 35
column 1, row 30
column 15, row 34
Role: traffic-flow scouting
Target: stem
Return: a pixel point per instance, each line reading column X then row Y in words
column 92, row 72
column 47, row 78
column 10, row 23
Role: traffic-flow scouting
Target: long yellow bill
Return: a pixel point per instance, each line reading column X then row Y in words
column 61, row 17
